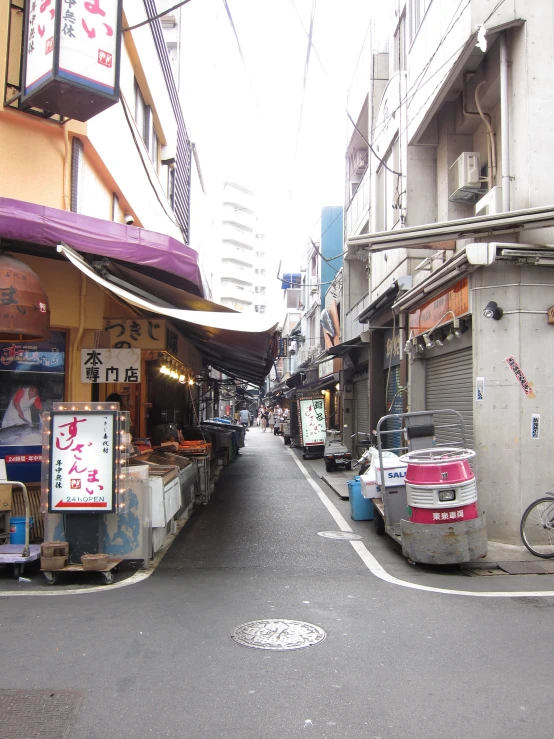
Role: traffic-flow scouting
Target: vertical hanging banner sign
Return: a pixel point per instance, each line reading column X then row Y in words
column 83, row 461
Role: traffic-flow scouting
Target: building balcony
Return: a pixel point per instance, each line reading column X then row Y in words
column 232, row 251
column 357, row 210
column 230, row 270
column 237, row 234
column 244, row 218
column 235, row 291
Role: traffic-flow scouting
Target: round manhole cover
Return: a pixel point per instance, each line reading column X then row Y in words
column 350, row 535
column 278, row 634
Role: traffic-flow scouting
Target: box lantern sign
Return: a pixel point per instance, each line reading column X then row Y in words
column 311, row 416
column 71, row 56
column 84, row 460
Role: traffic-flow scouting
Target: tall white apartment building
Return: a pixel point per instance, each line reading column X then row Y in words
column 242, row 272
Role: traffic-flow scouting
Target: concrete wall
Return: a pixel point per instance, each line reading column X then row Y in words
column 512, row 468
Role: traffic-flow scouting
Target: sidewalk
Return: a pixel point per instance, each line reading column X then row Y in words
column 509, row 558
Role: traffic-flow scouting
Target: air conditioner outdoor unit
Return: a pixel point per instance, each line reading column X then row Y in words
column 464, row 179
column 360, row 161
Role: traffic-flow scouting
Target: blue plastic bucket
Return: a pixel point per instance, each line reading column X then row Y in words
column 17, row 529
column 361, row 509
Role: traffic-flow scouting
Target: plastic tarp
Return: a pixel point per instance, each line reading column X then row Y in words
column 39, row 224
column 240, row 345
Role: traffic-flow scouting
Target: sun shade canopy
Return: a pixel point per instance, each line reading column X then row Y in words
column 39, row 224
column 240, row 345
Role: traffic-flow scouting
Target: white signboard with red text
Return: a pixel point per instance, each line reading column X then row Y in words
column 312, row 421
column 71, row 57
column 83, row 465
column 40, row 42
column 88, row 43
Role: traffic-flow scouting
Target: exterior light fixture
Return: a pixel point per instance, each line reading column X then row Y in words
column 460, row 330
column 493, row 311
column 429, row 343
column 191, row 381
column 408, row 347
column 440, row 339
column 419, row 346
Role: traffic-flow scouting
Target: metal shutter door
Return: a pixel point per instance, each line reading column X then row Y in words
column 394, row 405
column 449, row 384
column 361, row 394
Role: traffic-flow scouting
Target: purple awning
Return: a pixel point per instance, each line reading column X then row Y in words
column 39, row 224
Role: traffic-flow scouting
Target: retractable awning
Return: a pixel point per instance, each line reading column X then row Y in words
column 426, row 235
column 38, row 224
column 240, row 345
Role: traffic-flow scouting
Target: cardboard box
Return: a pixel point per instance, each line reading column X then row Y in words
column 5, row 497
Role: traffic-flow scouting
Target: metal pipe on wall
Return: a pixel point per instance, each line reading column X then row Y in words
column 505, row 121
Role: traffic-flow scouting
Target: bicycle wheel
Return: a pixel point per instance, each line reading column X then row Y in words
column 537, row 528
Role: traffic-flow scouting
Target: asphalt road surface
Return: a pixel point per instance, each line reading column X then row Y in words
column 156, row 658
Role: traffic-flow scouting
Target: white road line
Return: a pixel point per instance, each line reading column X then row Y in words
column 379, row 571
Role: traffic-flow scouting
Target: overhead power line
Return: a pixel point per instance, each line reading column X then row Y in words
column 155, row 17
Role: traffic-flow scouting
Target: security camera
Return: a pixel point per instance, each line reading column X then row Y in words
column 129, row 219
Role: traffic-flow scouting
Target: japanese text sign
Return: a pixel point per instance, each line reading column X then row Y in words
column 312, row 421
column 88, row 42
column 135, row 333
column 83, row 461
column 110, row 365
column 520, row 377
column 428, row 315
column 71, row 57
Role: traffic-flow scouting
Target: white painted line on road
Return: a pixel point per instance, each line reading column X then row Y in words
column 379, row 571
column 133, row 580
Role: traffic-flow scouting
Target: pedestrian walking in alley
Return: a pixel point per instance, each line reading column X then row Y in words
column 264, row 418
column 244, row 417
column 271, row 419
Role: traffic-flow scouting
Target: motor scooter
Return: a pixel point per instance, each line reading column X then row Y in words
column 336, row 454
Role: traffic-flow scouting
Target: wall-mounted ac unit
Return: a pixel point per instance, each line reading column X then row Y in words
column 464, row 179
column 359, row 161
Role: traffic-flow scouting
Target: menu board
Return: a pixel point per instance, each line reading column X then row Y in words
column 312, row 421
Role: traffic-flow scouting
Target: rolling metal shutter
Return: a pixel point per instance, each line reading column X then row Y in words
column 361, row 395
column 394, row 405
column 449, row 384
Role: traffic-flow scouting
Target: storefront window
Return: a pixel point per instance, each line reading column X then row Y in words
column 32, row 378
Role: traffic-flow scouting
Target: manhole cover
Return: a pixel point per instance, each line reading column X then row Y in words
column 41, row 714
column 278, row 634
column 351, row 536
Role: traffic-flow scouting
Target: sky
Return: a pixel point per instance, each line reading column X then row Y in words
column 246, row 118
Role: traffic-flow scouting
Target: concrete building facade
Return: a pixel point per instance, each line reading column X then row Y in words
column 448, row 211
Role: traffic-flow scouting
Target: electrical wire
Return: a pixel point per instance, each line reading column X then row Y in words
column 306, row 68
column 155, row 17
column 228, row 11
column 137, row 145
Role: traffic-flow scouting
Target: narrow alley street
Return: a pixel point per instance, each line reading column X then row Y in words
column 156, row 658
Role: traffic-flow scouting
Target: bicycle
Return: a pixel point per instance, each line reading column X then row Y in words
column 537, row 527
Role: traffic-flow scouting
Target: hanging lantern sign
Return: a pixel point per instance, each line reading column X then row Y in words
column 24, row 309
column 71, row 56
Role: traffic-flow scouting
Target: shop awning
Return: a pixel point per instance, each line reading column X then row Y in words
column 38, row 224
column 341, row 349
column 239, row 345
column 426, row 235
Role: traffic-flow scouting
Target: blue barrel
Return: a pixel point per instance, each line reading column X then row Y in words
column 361, row 509
column 17, row 529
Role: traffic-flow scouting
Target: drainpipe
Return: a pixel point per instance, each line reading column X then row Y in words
column 505, row 122
column 492, row 149
column 81, row 328
column 67, row 153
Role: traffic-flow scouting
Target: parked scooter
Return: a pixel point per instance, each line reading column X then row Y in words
column 336, row 454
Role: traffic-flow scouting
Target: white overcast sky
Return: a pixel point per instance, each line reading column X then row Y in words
column 247, row 120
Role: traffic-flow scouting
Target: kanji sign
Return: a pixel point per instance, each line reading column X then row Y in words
column 453, row 300
column 312, row 421
column 71, row 57
column 110, row 365
column 135, row 333
column 83, row 461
